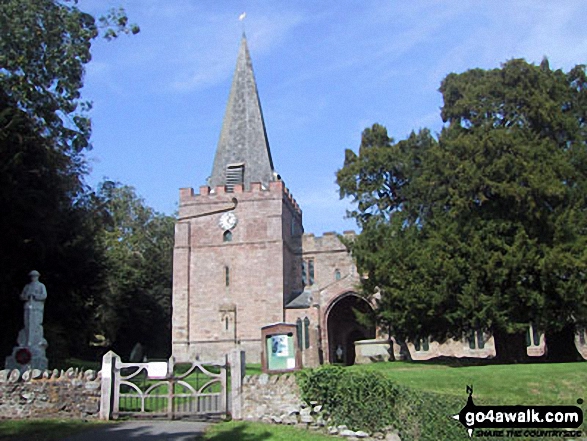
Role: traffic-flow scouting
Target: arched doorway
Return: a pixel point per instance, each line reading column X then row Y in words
column 344, row 329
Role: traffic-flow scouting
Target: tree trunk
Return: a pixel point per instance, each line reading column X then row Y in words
column 510, row 348
column 560, row 345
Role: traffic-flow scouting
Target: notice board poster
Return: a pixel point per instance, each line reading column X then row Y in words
column 280, row 352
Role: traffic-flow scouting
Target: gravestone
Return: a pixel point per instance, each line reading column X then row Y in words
column 31, row 345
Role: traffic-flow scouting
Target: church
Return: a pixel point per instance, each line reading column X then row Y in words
column 242, row 261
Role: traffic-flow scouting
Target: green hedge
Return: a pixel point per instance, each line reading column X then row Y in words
column 371, row 401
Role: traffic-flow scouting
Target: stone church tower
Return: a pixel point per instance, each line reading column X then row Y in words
column 237, row 242
column 242, row 261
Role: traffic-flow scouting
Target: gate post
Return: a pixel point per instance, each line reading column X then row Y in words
column 170, row 387
column 237, row 372
column 107, row 385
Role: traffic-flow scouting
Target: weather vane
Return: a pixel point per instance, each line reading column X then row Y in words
column 241, row 18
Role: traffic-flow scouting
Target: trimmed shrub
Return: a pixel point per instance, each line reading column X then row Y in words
column 371, row 401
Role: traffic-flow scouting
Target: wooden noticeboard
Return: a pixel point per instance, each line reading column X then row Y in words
column 280, row 352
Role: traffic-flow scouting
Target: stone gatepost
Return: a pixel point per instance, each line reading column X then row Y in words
column 236, row 360
column 107, row 395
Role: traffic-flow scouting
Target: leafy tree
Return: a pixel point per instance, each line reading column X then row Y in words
column 49, row 221
column 487, row 229
column 44, row 45
column 138, row 243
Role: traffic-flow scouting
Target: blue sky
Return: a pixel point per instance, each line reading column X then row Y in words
column 325, row 71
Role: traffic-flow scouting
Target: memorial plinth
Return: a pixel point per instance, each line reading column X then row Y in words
column 31, row 344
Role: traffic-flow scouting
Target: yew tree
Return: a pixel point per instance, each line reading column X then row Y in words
column 484, row 228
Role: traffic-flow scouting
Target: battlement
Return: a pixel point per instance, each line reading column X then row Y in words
column 187, row 196
column 329, row 241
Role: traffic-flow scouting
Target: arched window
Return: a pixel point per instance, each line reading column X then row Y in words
column 306, row 332
column 227, row 236
column 337, row 274
column 422, row 344
column 311, row 271
column 299, row 332
column 476, row 339
column 532, row 336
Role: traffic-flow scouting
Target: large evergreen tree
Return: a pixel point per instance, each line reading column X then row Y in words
column 486, row 228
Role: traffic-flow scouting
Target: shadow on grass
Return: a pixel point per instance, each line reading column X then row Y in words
column 43, row 430
column 240, row 432
column 144, row 430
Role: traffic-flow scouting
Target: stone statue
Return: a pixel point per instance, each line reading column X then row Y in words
column 30, row 352
column 34, row 295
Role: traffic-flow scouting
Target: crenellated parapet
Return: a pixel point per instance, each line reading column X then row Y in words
column 328, row 242
column 188, row 198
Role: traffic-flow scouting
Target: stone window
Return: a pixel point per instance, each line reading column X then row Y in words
column 476, row 340
column 227, row 236
column 228, row 319
column 299, row 332
column 306, row 332
column 311, row 271
column 422, row 344
column 337, row 274
column 308, row 272
column 532, row 336
column 227, row 275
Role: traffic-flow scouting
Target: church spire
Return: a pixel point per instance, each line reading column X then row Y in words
column 243, row 154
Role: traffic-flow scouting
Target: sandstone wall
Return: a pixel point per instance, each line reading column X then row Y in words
column 225, row 291
column 265, row 397
column 49, row 394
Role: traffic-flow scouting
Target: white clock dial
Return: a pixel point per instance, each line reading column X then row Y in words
column 227, row 221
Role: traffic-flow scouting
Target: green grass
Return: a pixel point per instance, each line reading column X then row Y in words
column 540, row 383
column 249, row 431
column 42, row 430
column 253, row 369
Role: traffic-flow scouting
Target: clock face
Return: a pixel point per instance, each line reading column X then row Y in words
column 227, row 221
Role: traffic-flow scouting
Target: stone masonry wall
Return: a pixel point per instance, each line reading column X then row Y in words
column 265, row 397
column 277, row 399
column 49, row 394
column 225, row 291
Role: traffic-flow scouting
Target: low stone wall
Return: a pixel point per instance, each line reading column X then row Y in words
column 49, row 394
column 276, row 399
column 265, row 397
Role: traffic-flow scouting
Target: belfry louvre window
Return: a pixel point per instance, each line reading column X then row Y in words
column 235, row 175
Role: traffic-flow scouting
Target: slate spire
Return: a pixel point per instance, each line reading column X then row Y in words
column 243, row 154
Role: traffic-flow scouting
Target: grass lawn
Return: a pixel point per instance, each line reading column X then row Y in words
column 249, row 431
column 42, row 430
column 540, row 383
